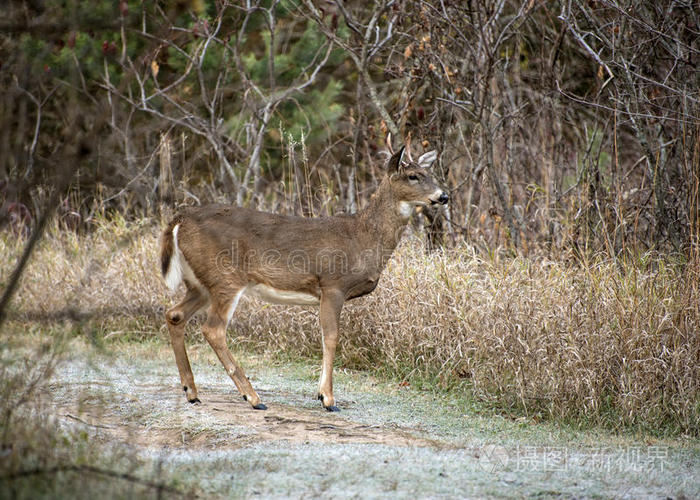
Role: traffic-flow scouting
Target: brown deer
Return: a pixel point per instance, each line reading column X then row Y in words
column 223, row 252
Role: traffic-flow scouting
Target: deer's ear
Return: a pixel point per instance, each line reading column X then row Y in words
column 395, row 161
column 427, row 159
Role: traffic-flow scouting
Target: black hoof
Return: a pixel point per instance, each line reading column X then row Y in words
column 328, row 408
column 194, row 401
column 260, row 406
column 245, row 398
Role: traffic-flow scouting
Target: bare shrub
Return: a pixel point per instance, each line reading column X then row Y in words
column 559, row 125
column 41, row 456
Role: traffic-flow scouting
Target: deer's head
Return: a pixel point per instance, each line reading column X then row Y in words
column 412, row 182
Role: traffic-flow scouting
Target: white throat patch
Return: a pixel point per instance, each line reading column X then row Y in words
column 405, row 209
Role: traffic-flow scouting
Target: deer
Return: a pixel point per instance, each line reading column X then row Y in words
column 222, row 253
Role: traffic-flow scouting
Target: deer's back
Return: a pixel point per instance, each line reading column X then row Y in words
column 284, row 252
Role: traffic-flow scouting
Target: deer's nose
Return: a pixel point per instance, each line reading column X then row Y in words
column 444, row 198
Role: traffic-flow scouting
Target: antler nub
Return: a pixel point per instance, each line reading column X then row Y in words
column 408, row 147
column 388, row 144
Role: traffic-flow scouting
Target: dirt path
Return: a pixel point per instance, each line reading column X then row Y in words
column 388, row 441
column 282, row 422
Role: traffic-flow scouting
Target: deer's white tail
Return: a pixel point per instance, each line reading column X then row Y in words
column 171, row 258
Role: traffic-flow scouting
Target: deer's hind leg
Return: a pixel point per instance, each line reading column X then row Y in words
column 176, row 319
column 214, row 329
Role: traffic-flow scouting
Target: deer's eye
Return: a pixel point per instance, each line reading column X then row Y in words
column 412, row 177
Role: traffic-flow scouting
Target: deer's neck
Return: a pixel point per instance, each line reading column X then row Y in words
column 385, row 218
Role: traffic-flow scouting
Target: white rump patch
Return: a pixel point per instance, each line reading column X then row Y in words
column 174, row 275
column 178, row 267
column 277, row 296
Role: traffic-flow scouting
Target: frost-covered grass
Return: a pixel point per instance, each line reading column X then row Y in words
column 119, row 408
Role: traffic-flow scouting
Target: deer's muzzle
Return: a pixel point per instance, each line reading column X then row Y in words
column 442, row 199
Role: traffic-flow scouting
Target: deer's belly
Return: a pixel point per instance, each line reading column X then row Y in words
column 277, row 296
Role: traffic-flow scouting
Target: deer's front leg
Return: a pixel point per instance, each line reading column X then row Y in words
column 331, row 304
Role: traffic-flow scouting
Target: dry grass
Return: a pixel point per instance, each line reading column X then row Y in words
column 607, row 343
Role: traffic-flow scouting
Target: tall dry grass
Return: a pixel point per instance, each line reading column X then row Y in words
column 614, row 343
